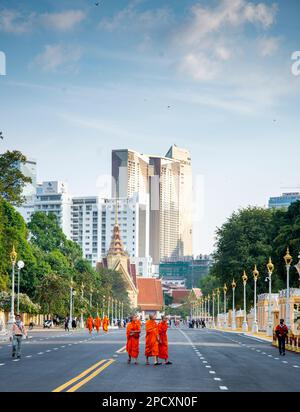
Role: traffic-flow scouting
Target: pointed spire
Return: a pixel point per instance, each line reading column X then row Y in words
column 116, row 245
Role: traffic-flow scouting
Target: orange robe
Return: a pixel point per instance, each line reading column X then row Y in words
column 163, row 341
column 90, row 324
column 151, row 348
column 105, row 324
column 133, row 341
column 97, row 323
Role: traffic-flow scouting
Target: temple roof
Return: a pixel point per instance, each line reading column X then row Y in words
column 116, row 245
column 150, row 295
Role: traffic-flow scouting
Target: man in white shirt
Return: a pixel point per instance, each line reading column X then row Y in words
column 18, row 331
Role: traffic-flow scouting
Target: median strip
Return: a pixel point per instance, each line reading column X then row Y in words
column 101, row 365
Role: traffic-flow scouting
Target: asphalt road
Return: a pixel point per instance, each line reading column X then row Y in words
column 203, row 361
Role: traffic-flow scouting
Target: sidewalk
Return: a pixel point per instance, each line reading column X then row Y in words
column 259, row 335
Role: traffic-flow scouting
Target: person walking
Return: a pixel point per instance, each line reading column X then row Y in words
column 17, row 333
column 163, row 346
column 90, row 324
column 133, row 332
column 152, row 338
column 281, row 332
column 97, row 323
column 67, row 324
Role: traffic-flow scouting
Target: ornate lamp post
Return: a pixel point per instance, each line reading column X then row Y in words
column 13, row 258
column 270, row 268
column 202, row 307
column 245, row 324
column 205, row 309
column 71, row 304
column 208, row 308
column 213, row 314
column 233, row 324
column 288, row 260
column 81, row 318
column 91, row 298
column 255, row 324
column 20, row 265
column 112, row 311
column 218, row 319
column 225, row 315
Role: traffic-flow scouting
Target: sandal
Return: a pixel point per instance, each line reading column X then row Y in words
column 168, row 363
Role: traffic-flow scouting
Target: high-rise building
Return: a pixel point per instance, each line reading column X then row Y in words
column 53, row 197
column 29, row 169
column 164, row 185
column 86, row 225
column 283, row 201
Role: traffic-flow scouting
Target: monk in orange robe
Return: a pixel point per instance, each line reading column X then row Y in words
column 163, row 340
column 97, row 323
column 152, row 338
column 90, row 324
column 105, row 324
column 133, row 332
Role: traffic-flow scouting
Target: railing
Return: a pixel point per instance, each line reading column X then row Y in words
column 292, row 342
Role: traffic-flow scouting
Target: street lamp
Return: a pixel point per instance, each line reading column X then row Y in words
column 270, row 268
column 245, row 324
column 205, row 309
column 288, row 260
column 71, row 303
column 103, row 306
column 225, row 316
column 13, row 258
column 218, row 319
column 208, row 310
column 20, row 265
column 91, row 298
column 213, row 314
column 233, row 323
column 81, row 320
column 202, row 309
column 255, row 277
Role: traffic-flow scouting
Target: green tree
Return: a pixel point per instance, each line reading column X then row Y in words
column 12, row 180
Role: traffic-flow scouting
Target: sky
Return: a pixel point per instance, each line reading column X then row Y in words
column 214, row 77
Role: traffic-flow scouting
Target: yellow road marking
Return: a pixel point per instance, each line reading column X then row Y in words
column 90, row 377
column 69, row 383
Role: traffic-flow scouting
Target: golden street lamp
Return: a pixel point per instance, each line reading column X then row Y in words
column 205, row 309
column 213, row 314
column 81, row 318
column 270, row 268
column 13, row 258
column 255, row 277
column 225, row 309
column 208, row 308
column 288, row 260
column 218, row 319
column 71, row 303
column 233, row 324
column 245, row 324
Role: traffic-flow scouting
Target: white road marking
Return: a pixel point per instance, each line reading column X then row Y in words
column 204, row 361
column 295, row 366
column 41, row 353
column 207, row 366
column 2, row 364
column 16, row 360
column 55, row 348
column 276, row 358
column 217, row 379
column 212, row 372
column 223, row 388
column 284, row 361
column 49, row 350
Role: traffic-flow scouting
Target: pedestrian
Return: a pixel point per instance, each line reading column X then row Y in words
column 74, row 324
column 281, row 333
column 163, row 350
column 133, row 332
column 17, row 333
column 90, row 324
column 67, row 324
column 152, row 338
column 97, row 323
column 105, row 324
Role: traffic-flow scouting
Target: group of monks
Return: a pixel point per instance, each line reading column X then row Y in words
column 156, row 340
column 96, row 323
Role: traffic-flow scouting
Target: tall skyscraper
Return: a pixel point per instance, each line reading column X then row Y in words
column 165, row 185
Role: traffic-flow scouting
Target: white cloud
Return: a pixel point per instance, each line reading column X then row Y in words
column 12, row 21
column 268, row 46
column 56, row 56
column 131, row 18
column 63, row 21
column 198, row 66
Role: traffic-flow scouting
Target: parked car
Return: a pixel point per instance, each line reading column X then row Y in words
column 48, row 323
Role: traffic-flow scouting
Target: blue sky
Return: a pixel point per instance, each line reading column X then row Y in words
column 84, row 79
